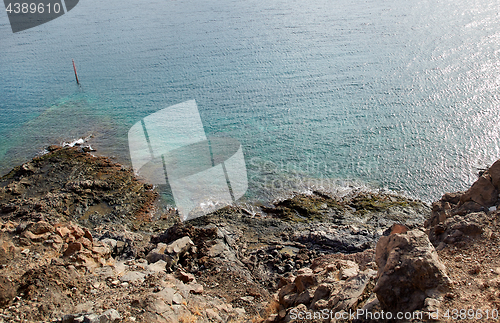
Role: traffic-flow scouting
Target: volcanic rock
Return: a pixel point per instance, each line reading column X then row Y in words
column 409, row 271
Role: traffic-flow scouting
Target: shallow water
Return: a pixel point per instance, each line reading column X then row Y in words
column 379, row 93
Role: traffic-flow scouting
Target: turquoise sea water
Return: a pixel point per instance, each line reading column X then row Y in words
column 394, row 94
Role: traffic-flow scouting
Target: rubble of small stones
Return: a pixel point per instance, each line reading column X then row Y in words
column 334, row 282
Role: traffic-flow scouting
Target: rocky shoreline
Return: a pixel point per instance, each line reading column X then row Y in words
column 82, row 240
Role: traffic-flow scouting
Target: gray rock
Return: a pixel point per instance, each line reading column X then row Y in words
column 158, row 266
column 167, row 294
column 133, row 277
column 111, row 243
column 177, row 299
column 337, row 239
column 110, row 316
column 79, row 319
column 217, row 249
column 348, row 297
column 91, row 318
column 212, row 315
column 158, row 306
column 180, row 246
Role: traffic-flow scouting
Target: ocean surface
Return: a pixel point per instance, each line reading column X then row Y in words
column 394, row 94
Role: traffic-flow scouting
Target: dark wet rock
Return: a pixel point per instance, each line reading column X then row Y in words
column 301, row 208
column 376, row 209
column 67, row 184
column 337, row 239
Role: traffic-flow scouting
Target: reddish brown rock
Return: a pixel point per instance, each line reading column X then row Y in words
column 62, row 231
column 85, row 258
column 302, row 282
column 483, row 192
column 40, row 227
column 456, row 215
column 88, row 235
column 7, row 251
column 494, row 172
column 35, row 237
column 467, row 207
column 453, row 198
column 409, row 271
column 185, row 277
column 7, row 291
column 85, row 242
column 284, row 292
column 398, row 228
column 73, row 248
column 76, row 231
column 196, row 288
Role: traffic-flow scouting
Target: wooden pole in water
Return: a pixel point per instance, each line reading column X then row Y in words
column 76, row 75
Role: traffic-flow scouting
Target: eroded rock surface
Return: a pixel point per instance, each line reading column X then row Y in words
column 409, row 272
column 90, row 236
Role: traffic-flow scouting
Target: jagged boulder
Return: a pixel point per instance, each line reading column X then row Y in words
column 409, row 272
column 457, row 215
column 482, row 192
column 457, row 228
column 494, row 172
